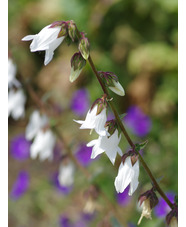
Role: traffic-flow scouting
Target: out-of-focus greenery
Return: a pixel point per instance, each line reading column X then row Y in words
column 137, row 40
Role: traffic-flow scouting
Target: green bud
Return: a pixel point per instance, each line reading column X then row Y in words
column 84, row 47
column 72, row 30
column 77, row 64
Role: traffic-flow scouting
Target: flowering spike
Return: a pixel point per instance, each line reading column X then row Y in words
column 84, row 47
column 77, row 64
column 111, row 81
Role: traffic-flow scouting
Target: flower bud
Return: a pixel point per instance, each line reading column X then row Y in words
column 111, row 81
column 147, row 200
column 172, row 217
column 72, row 30
column 77, row 64
column 84, row 47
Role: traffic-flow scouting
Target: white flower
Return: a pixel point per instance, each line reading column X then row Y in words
column 11, row 74
column 16, row 104
column 146, row 212
column 46, row 40
column 66, row 174
column 36, row 122
column 43, row 145
column 107, row 144
column 93, row 121
column 127, row 174
column 118, row 89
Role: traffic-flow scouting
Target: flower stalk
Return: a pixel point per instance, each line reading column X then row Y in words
column 155, row 183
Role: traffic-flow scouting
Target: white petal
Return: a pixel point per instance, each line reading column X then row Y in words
column 125, row 174
column 48, row 56
column 91, row 143
column 28, row 37
column 134, row 182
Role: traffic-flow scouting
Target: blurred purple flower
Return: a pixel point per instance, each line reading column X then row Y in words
column 64, row 190
column 20, row 147
column 80, row 102
column 139, row 123
column 21, row 185
column 64, row 221
column 131, row 225
column 162, row 209
column 123, row 198
column 83, row 154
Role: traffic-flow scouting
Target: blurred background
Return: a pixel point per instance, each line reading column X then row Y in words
column 135, row 39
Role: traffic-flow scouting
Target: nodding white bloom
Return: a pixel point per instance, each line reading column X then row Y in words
column 66, row 174
column 127, row 174
column 117, row 88
column 47, row 39
column 106, row 144
column 146, row 210
column 36, row 122
column 16, row 103
column 174, row 222
column 12, row 81
column 96, row 122
column 43, row 145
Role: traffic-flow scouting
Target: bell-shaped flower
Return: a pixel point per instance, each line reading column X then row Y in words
column 95, row 121
column 36, row 122
column 16, row 103
column 66, row 174
column 106, row 144
column 43, row 145
column 127, row 174
column 46, row 40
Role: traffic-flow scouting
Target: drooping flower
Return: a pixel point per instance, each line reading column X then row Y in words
column 48, row 39
column 83, row 154
column 112, row 82
column 12, row 81
column 80, row 102
column 139, row 123
column 20, row 147
column 43, row 145
column 147, row 201
column 16, row 103
column 36, row 122
column 66, row 174
column 127, row 174
column 20, row 186
column 96, row 120
column 106, row 144
column 163, row 208
column 123, row 198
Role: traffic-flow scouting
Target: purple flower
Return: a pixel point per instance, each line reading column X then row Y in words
column 20, row 147
column 20, row 186
column 123, row 198
column 131, row 225
column 64, row 190
column 162, row 209
column 80, row 102
column 139, row 123
column 64, row 221
column 83, row 154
